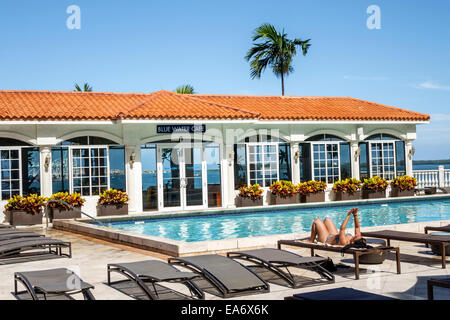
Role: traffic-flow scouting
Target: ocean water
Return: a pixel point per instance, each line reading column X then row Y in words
column 231, row 226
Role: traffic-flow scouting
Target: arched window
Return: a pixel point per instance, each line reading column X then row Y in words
column 261, row 159
column 325, row 158
column 382, row 155
column 19, row 167
column 88, row 165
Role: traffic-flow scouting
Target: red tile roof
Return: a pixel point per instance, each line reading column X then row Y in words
column 50, row 105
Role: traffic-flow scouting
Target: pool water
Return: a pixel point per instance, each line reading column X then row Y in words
column 240, row 225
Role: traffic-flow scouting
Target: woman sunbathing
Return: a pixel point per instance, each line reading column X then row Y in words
column 326, row 231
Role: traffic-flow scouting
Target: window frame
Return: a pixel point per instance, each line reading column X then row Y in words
column 19, row 151
column 89, row 147
column 262, row 145
column 338, row 143
column 382, row 142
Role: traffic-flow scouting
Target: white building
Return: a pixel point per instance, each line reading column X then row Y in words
column 183, row 152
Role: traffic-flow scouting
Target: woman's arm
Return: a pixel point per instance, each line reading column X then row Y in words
column 357, row 228
column 342, row 238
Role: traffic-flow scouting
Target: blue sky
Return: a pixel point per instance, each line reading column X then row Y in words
column 144, row 46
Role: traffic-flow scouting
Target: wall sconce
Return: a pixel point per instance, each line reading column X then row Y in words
column 357, row 153
column 297, row 155
column 411, row 152
column 47, row 162
column 132, row 158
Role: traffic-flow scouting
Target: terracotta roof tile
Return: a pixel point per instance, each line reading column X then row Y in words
column 51, row 105
column 315, row 108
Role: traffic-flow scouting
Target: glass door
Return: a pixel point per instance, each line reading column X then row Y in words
column 182, row 179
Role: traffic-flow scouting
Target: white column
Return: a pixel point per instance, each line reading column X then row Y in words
column 228, row 169
column 409, row 157
column 46, row 171
column 354, row 158
column 295, row 163
column 133, row 178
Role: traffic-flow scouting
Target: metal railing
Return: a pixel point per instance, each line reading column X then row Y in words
column 71, row 207
column 439, row 178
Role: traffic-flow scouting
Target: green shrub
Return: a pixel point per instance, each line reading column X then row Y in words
column 74, row 199
column 375, row 184
column 350, row 185
column 114, row 197
column 312, row 186
column 404, row 182
column 253, row 191
column 31, row 204
column 283, row 188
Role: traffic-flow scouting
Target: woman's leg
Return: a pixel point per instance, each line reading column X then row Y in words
column 320, row 230
column 330, row 226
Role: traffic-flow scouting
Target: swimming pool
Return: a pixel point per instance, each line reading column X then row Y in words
column 251, row 224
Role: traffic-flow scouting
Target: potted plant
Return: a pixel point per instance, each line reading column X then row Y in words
column 112, row 203
column 24, row 211
column 312, row 191
column 374, row 188
column 59, row 210
column 347, row 189
column 283, row 192
column 250, row 196
column 403, row 186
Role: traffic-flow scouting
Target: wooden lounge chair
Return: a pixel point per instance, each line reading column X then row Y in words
column 147, row 276
column 269, row 262
column 431, row 283
column 338, row 294
column 356, row 252
column 223, row 276
column 20, row 249
column 441, row 229
column 53, row 284
column 441, row 240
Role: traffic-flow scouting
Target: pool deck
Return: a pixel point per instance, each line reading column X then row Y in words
column 90, row 257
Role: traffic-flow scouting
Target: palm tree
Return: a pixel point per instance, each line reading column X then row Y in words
column 185, row 89
column 86, row 87
column 275, row 50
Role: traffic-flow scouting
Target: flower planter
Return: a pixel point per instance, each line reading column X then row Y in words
column 23, row 218
column 345, row 196
column 313, row 197
column 396, row 192
column 277, row 200
column 248, row 202
column 369, row 194
column 112, row 210
column 58, row 213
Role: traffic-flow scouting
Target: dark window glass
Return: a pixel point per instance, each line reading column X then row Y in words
column 30, row 171
column 284, row 154
column 84, row 141
column 149, row 177
column 116, row 168
column 60, row 170
column 364, row 161
column 305, row 161
column 325, row 137
column 346, row 167
column 382, row 136
column 400, row 158
column 212, row 155
column 76, row 141
column 240, row 166
column 100, row 141
column 7, row 142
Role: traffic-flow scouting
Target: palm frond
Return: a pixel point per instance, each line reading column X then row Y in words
column 185, row 89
